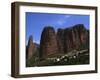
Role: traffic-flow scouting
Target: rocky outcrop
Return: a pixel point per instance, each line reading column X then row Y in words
column 65, row 40
column 60, row 40
column 48, row 43
column 31, row 48
column 75, row 37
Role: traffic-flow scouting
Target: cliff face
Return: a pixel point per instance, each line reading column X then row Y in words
column 31, row 48
column 48, row 43
column 60, row 40
column 75, row 37
column 65, row 40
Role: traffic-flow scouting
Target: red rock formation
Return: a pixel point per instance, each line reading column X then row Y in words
column 75, row 37
column 60, row 40
column 48, row 43
column 30, row 48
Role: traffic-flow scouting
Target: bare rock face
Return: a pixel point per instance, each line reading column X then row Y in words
column 30, row 48
column 60, row 40
column 65, row 40
column 48, row 43
column 75, row 37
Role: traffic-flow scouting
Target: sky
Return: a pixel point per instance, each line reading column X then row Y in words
column 35, row 22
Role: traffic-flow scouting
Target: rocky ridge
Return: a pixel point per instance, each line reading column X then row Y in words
column 65, row 40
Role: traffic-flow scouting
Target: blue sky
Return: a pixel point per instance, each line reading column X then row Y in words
column 35, row 22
